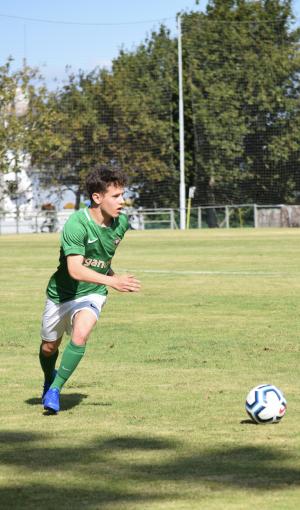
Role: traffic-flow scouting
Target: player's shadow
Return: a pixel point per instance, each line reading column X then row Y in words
column 67, row 400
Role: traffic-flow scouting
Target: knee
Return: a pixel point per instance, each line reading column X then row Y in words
column 83, row 324
column 79, row 337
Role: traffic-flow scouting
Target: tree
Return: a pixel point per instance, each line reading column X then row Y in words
column 82, row 132
column 135, row 104
column 140, row 93
column 122, row 117
column 242, row 101
column 27, row 122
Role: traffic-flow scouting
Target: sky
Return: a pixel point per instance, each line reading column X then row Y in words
column 82, row 33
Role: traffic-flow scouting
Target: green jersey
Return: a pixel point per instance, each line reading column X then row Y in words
column 82, row 236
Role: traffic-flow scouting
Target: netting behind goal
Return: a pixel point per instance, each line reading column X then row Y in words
column 242, row 109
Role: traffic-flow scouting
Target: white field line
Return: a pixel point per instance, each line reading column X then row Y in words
column 209, row 273
column 176, row 272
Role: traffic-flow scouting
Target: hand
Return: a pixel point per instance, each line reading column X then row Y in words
column 125, row 283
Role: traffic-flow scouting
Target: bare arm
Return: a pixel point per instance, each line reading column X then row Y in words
column 123, row 283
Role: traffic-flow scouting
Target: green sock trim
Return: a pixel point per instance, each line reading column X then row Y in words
column 48, row 364
column 70, row 359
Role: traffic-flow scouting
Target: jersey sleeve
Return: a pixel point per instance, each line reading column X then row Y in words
column 73, row 238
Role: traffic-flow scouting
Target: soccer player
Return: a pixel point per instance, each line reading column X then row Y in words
column 76, row 292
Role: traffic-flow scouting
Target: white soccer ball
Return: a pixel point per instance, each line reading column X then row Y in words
column 266, row 404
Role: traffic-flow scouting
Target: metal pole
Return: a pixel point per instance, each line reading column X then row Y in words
column 199, row 217
column 255, row 216
column 189, row 205
column 172, row 219
column 181, row 130
column 227, row 216
column 17, row 203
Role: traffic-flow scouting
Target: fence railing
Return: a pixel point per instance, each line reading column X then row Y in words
column 219, row 216
column 41, row 221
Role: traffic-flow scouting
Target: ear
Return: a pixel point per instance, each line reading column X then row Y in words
column 97, row 198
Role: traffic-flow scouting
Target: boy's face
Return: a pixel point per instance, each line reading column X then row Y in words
column 111, row 201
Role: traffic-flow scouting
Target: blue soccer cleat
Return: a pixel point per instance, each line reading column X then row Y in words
column 48, row 384
column 51, row 400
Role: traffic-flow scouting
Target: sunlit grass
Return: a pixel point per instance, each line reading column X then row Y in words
column 154, row 416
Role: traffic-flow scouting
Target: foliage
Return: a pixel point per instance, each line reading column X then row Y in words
column 122, row 117
column 82, row 131
column 28, row 118
column 241, row 68
column 142, row 84
column 241, row 74
column 242, row 101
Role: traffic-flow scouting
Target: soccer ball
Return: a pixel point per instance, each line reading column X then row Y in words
column 265, row 404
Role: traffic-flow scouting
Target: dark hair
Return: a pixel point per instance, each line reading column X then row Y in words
column 98, row 180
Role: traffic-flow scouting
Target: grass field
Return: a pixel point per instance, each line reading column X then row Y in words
column 154, row 416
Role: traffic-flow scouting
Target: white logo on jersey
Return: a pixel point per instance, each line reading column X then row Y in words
column 92, row 240
column 96, row 263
